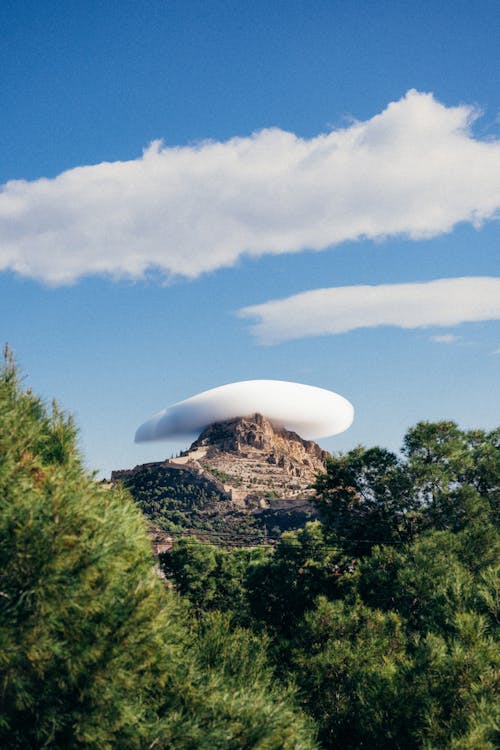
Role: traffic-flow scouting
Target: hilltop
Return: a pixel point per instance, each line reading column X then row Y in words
column 242, row 480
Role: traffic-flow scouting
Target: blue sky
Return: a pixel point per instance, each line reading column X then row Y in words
column 290, row 157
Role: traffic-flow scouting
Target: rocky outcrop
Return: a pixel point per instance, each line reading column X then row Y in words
column 256, row 459
column 243, row 481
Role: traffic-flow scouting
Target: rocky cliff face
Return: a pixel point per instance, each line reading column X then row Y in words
column 256, row 460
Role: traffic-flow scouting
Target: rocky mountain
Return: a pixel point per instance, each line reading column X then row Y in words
column 242, row 479
column 256, row 460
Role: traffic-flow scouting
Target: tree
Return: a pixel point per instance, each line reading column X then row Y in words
column 350, row 664
column 425, row 583
column 452, row 688
column 385, row 614
column 212, row 577
column 370, row 684
column 95, row 653
column 442, row 460
column 283, row 587
column 83, row 634
column 446, row 478
column 365, row 498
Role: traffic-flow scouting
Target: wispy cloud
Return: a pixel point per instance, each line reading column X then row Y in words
column 445, row 302
column 414, row 170
column 446, row 338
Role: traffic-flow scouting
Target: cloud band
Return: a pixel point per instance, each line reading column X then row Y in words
column 444, row 302
column 415, row 170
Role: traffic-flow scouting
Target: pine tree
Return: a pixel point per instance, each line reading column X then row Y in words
column 95, row 653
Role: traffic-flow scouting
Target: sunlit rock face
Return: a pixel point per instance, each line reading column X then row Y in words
column 309, row 411
column 257, row 459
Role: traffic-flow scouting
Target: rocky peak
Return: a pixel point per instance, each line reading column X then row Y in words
column 234, row 435
column 257, row 433
column 254, row 457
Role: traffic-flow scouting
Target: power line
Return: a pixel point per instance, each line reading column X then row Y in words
column 250, row 541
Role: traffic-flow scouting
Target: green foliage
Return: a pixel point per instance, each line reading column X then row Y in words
column 382, row 621
column 266, row 587
column 489, row 596
column 433, row 683
column 212, row 577
column 351, row 663
column 225, row 477
column 176, row 500
column 442, row 461
column 369, row 685
column 240, row 659
column 77, row 592
column 447, row 479
column 285, row 586
column 425, row 583
column 365, row 498
column 453, row 688
column 385, row 614
column 95, row 652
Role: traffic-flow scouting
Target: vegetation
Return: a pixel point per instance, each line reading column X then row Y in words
column 376, row 628
column 95, row 652
column 177, row 500
column 386, row 615
column 225, row 477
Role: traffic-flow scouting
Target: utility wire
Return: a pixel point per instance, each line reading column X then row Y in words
column 247, row 540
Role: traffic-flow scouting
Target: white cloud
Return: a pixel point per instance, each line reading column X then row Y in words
column 413, row 170
column 445, row 338
column 445, row 302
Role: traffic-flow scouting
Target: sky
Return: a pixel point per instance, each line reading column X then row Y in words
column 198, row 193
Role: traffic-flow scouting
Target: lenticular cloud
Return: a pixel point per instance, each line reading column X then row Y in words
column 311, row 412
column 442, row 302
column 415, row 169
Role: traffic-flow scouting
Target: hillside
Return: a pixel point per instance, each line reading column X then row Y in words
column 242, row 481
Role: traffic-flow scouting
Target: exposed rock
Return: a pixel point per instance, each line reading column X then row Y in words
column 243, row 481
column 255, row 459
